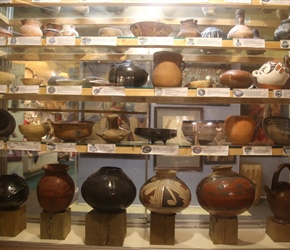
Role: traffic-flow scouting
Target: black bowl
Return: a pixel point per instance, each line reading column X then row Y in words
column 156, row 134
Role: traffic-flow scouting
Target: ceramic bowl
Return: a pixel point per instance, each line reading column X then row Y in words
column 156, row 134
column 277, row 129
column 34, row 132
column 69, row 82
column 31, row 81
column 110, row 31
column 6, row 78
column 72, row 131
column 150, row 29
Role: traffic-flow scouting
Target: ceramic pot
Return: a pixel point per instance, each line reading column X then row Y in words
column 236, row 78
column 282, row 32
column 50, row 10
column 282, row 14
column 113, row 133
column 279, row 196
column 55, row 189
column 5, row 33
column 225, row 193
column 165, row 193
column 109, row 190
column 215, row 33
column 188, row 28
column 30, row 27
column 240, row 129
column 51, row 29
column 127, row 73
column 14, row 191
column 167, row 71
column 81, row 10
column 209, row 11
column 7, row 124
column 240, row 30
column 255, row 52
column 117, row 10
column 34, row 132
column 68, row 30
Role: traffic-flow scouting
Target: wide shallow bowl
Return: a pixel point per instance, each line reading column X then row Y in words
column 68, row 82
column 156, row 134
column 6, row 78
column 34, row 132
column 150, row 29
column 277, row 129
column 31, row 81
column 72, row 131
column 203, row 132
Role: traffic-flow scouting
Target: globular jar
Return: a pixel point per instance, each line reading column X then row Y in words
column 31, row 27
column 7, row 125
column 188, row 28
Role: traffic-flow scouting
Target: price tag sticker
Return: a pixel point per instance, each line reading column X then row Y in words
column 210, row 150
column 150, row 40
column 101, row 148
column 160, row 149
column 24, row 145
column 110, row 90
column 171, row 91
column 213, row 92
column 65, row 90
column 19, row 89
column 61, row 40
column 24, row 40
column 99, row 40
column 257, row 150
column 255, row 93
column 204, row 41
column 61, row 146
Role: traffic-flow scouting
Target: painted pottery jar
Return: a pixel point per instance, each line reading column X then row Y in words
column 55, row 189
column 14, row 191
column 30, row 27
column 279, row 196
column 51, row 29
column 188, row 28
column 213, row 32
column 109, row 189
column 240, row 30
column 282, row 32
column 167, row 71
column 7, row 125
column 68, row 30
column 165, row 193
column 239, row 129
column 255, row 52
column 225, row 193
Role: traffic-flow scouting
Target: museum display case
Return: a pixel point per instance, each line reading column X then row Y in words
column 152, row 89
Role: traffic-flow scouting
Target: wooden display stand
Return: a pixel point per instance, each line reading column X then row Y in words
column 162, row 229
column 12, row 222
column 55, row 225
column 276, row 231
column 102, row 228
column 223, row 230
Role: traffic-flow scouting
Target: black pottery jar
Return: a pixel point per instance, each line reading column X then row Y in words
column 109, row 190
column 7, row 124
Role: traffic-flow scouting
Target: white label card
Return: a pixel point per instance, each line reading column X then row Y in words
column 150, row 40
column 281, row 93
column 249, row 42
column 204, row 41
column 45, row 1
column 24, row 40
column 99, row 40
column 286, row 150
column 3, row 40
column 61, row 40
column 171, row 91
column 257, row 150
column 101, row 148
column 5, row 1
column 284, row 44
column 213, row 92
column 24, row 145
column 61, row 146
column 3, row 88
column 238, row 1
column 19, row 89
column 160, row 149
column 110, row 90
column 210, row 150
column 257, row 93
column 67, row 90
column 286, row 2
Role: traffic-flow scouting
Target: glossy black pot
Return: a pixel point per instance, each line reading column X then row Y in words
column 283, row 31
column 109, row 189
column 14, row 191
column 7, row 124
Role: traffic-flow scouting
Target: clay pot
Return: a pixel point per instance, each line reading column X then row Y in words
column 167, row 71
column 7, row 124
column 236, row 78
column 14, row 191
column 51, row 29
column 113, row 133
column 5, row 33
column 50, row 10
column 240, row 129
column 282, row 14
column 165, row 193
column 255, row 52
column 81, row 10
column 6, row 78
column 109, row 190
column 209, row 11
column 225, row 193
column 279, row 196
column 30, row 27
column 117, row 10
column 34, row 132
column 240, row 30
column 216, row 33
column 282, row 32
column 68, row 30
column 188, row 28
column 55, row 189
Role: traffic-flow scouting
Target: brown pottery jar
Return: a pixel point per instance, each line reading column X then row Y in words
column 240, row 30
column 279, row 196
column 51, row 29
column 55, row 189
column 188, row 28
column 30, row 27
column 225, row 193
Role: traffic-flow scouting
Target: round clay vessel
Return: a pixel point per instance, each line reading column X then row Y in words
column 188, row 28
column 109, row 189
column 68, row 30
column 240, row 30
column 240, row 129
column 225, row 193
column 5, row 33
column 34, row 132
column 236, row 78
column 165, row 193
column 215, row 33
column 7, row 125
column 50, row 10
column 167, row 70
column 30, row 27
column 51, row 29
column 55, row 189
column 6, row 78
column 81, row 10
column 14, row 191
column 282, row 32
column 279, row 196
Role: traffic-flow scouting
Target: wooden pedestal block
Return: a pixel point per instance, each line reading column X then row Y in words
column 12, row 222
column 103, row 229
column 162, row 229
column 276, row 231
column 223, row 230
column 55, row 226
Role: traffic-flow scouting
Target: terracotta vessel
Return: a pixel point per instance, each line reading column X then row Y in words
column 34, row 132
column 5, row 33
column 7, row 125
column 282, row 14
column 51, row 10
column 55, row 189
column 68, row 30
column 282, row 32
column 167, row 71
column 109, row 189
column 255, row 52
column 81, row 10
column 14, row 191
column 165, row 193
column 30, row 27
column 188, row 28
column 279, row 196
column 240, row 30
column 209, row 11
column 225, row 193
column 113, row 133
column 51, row 29
column 240, row 129
column 236, row 78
